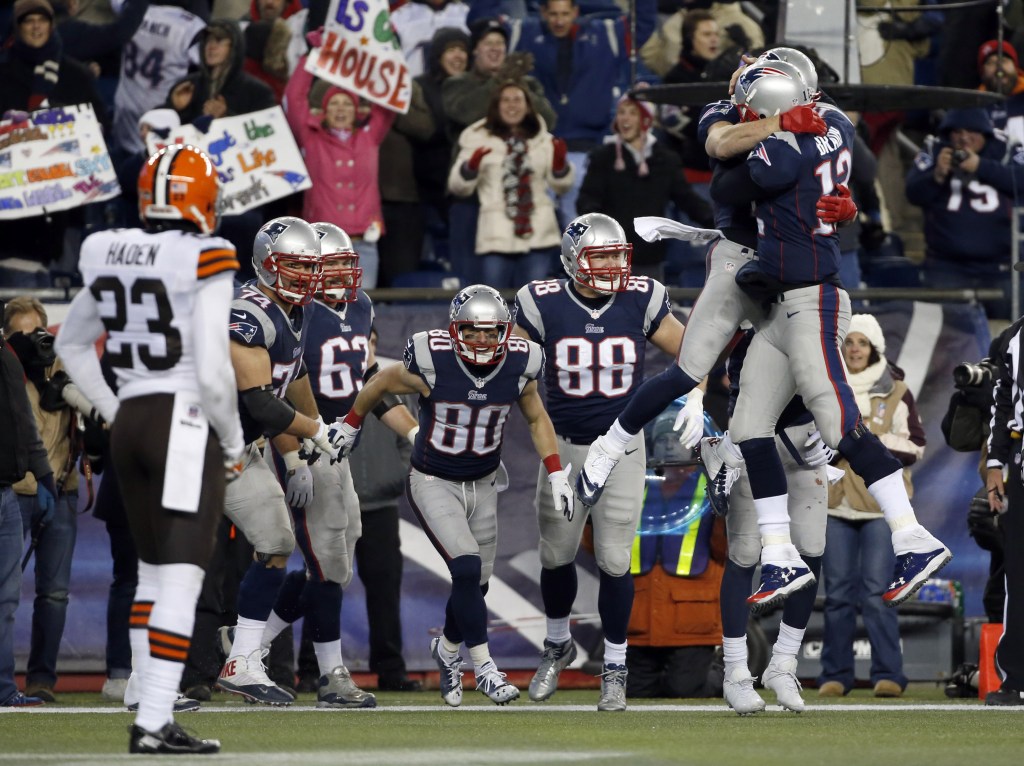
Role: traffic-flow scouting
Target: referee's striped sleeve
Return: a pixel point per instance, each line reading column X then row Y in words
column 216, row 260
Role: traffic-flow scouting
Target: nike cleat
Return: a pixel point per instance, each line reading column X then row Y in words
column 170, row 740
column 720, row 475
column 247, row 677
column 553, row 660
column 595, row 472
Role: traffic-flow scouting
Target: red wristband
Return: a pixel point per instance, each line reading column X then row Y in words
column 553, row 462
column 353, row 419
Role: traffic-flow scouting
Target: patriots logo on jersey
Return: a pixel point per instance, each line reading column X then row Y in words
column 576, row 231
column 246, row 330
column 762, row 154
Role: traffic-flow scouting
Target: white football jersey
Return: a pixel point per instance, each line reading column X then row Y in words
column 145, row 286
column 156, row 57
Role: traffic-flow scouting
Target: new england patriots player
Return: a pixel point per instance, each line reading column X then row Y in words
column 468, row 377
column 161, row 294
column 797, row 346
column 594, row 329
column 338, row 357
column 270, row 316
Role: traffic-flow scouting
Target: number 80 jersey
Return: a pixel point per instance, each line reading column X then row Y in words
column 144, row 285
column 595, row 354
column 462, row 422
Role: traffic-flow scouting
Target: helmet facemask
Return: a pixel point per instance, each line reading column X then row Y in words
column 612, row 275
column 341, row 278
column 480, row 351
column 480, row 309
column 293, row 284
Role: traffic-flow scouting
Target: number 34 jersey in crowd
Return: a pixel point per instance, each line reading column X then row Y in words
column 144, row 285
column 595, row 349
column 462, row 422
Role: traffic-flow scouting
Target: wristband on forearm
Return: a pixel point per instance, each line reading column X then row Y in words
column 553, row 462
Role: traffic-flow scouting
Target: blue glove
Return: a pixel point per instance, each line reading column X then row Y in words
column 46, row 499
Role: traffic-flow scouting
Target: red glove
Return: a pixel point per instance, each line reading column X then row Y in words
column 473, row 163
column 558, row 159
column 803, row 119
column 837, row 208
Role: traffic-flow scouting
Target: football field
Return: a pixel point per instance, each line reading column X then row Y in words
column 417, row 729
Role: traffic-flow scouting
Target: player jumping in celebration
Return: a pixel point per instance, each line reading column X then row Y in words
column 162, row 295
column 468, row 377
column 594, row 329
column 270, row 316
column 338, row 357
column 797, row 348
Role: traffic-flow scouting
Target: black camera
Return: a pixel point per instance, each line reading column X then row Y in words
column 960, row 156
column 967, row 375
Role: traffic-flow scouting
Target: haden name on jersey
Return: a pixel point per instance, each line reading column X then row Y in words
column 131, row 254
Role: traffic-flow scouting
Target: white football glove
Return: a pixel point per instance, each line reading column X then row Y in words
column 690, row 419
column 299, row 486
column 561, row 491
column 816, row 452
column 324, row 440
column 342, row 438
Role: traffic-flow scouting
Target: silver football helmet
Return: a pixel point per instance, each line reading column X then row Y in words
column 475, row 308
column 341, row 276
column 286, row 256
column 597, row 237
column 770, row 88
column 798, row 59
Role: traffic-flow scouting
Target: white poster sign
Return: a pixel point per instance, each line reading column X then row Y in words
column 360, row 54
column 53, row 159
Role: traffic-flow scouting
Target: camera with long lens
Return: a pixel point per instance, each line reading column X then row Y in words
column 967, row 375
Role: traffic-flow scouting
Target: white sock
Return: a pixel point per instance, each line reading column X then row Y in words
column 787, row 645
column 730, row 452
column 617, row 439
column 274, row 627
column 138, row 625
column 170, row 632
column 614, row 654
column 248, row 635
column 328, row 656
column 773, row 519
column 448, row 650
column 891, row 494
column 734, row 652
column 480, row 655
column 558, row 630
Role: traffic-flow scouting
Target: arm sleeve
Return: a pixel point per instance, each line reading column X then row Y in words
column 76, row 347
column 296, row 101
column 213, row 361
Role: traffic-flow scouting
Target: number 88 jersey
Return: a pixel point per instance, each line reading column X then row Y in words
column 595, row 349
column 144, row 285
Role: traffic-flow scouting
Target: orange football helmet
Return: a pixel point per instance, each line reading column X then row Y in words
column 179, row 183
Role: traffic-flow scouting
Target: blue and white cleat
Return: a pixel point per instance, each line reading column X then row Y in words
column 451, row 674
column 595, row 472
column 720, row 475
column 782, row 572
column 490, row 681
column 247, row 677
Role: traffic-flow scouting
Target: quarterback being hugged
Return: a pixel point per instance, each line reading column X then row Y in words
column 162, row 295
column 468, row 377
column 594, row 328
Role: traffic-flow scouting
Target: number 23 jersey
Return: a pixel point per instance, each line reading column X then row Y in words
column 595, row 354
column 462, row 422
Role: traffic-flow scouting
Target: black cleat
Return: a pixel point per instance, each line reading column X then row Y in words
column 172, row 739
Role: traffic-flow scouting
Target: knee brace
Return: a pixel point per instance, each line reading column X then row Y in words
column 868, row 457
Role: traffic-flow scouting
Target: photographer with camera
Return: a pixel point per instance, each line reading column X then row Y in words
column 965, row 179
column 1005, row 489
column 51, row 524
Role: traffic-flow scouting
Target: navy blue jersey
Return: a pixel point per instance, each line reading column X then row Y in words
column 795, row 170
column 336, row 348
column 735, row 221
column 595, row 355
column 462, row 421
column 256, row 321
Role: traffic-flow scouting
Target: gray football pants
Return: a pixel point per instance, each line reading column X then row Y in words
column 254, row 502
column 797, row 351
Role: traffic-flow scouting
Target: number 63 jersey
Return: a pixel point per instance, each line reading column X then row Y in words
column 462, row 422
column 595, row 350
column 145, row 285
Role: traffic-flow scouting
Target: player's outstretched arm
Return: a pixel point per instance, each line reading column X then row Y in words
column 75, row 345
column 393, row 379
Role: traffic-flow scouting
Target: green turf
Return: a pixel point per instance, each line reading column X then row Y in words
column 480, row 733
